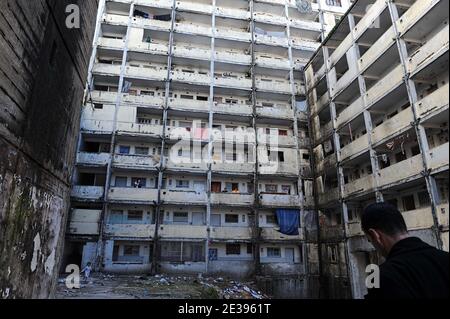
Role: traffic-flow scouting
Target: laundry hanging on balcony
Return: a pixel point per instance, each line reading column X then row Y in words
column 289, row 221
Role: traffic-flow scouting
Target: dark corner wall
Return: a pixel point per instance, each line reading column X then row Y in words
column 43, row 70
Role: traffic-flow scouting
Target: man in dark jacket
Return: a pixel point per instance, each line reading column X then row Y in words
column 413, row 269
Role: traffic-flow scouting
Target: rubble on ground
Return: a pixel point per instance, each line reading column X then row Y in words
column 105, row 286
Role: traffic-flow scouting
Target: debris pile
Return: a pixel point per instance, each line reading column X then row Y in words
column 160, row 286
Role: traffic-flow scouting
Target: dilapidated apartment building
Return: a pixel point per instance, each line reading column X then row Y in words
column 378, row 96
column 194, row 137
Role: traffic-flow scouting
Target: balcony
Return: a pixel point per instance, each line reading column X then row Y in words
column 434, row 102
column 231, row 199
column 236, row 13
column 231, row 233
column 283, row 87
column 266, row 17
column 275, row 112
column 438, row 158
column 97, row 126
column 128, row 194
column 328, row 196
column 270, row 233
column 237, row 168
column 234, row 109
column 135, row 161
column 186, row 164
column 106, row 69
column 145, row 73
column 93, row 159
column 354, row 229
column 149, row 130
column 183, row 197
column 182, row 231
column 276, row 140
column 393, row 126
column 151, row 48
column 385, row 85
column 402, row 171
column 271, row 168
column 115, row 44
column 279, row 200
column 151, row 24
column 84, row 222
column 272, row 62
column 145, row 231
column 331, row 233
column 192, row 52
column 233, row 34
column 194, row 29
column 271, row 40
column 87, row 192
column 194, row 7
column 377, row 49
column 418, row 219
column 233, row 57
column 360, row 185
column 354, row 148
column 350, row 112
column 236, row 83
column 189, row 105
column 191, row 78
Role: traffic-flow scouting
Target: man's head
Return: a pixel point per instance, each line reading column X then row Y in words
column 384, row 226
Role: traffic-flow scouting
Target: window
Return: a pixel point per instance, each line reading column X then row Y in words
column 141, row 151
column 98, row 106
column 138, row 182
column 233, row 249
column 270, row 188
column 124, row 149
column 180, row 217
column 415, row 150
column 231, row 218
column 202, row 98
column 129, row 250
column 182, row 184
column 273, row 252
column 332, row 254
column 216, row 187
column 121, row 181
column 286, row 189
column 275, row 156
column 424, row 199
column 271, row 219
column 249, row 249
column 232, row 187
column 408, row 203
column 399, row 157
column 135, row 215
column 282, row 132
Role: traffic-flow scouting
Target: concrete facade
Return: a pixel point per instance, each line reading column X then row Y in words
column 193, row 132
column 43, row 68
column 378, row 102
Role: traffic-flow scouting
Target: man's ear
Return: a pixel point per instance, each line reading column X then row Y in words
column 374, row 235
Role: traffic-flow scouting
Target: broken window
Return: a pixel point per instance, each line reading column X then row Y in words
column 232, row 218
column 124, row 149
column 271, row 219
column 271, row 188
column 180, row 217
column 233, row 249
column 121, row 181
column 141, row 151
column 408, row 203
column 135, row 216
column 182, row 184
column 273, row 252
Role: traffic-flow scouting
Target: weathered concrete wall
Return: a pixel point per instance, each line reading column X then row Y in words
column 43, row 68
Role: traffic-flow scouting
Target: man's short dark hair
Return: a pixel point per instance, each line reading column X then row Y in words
column 384, row 217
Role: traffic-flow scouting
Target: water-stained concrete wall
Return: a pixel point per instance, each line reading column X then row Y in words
column 43, row 70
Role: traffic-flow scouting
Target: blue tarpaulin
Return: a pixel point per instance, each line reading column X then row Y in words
column 289, row 221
